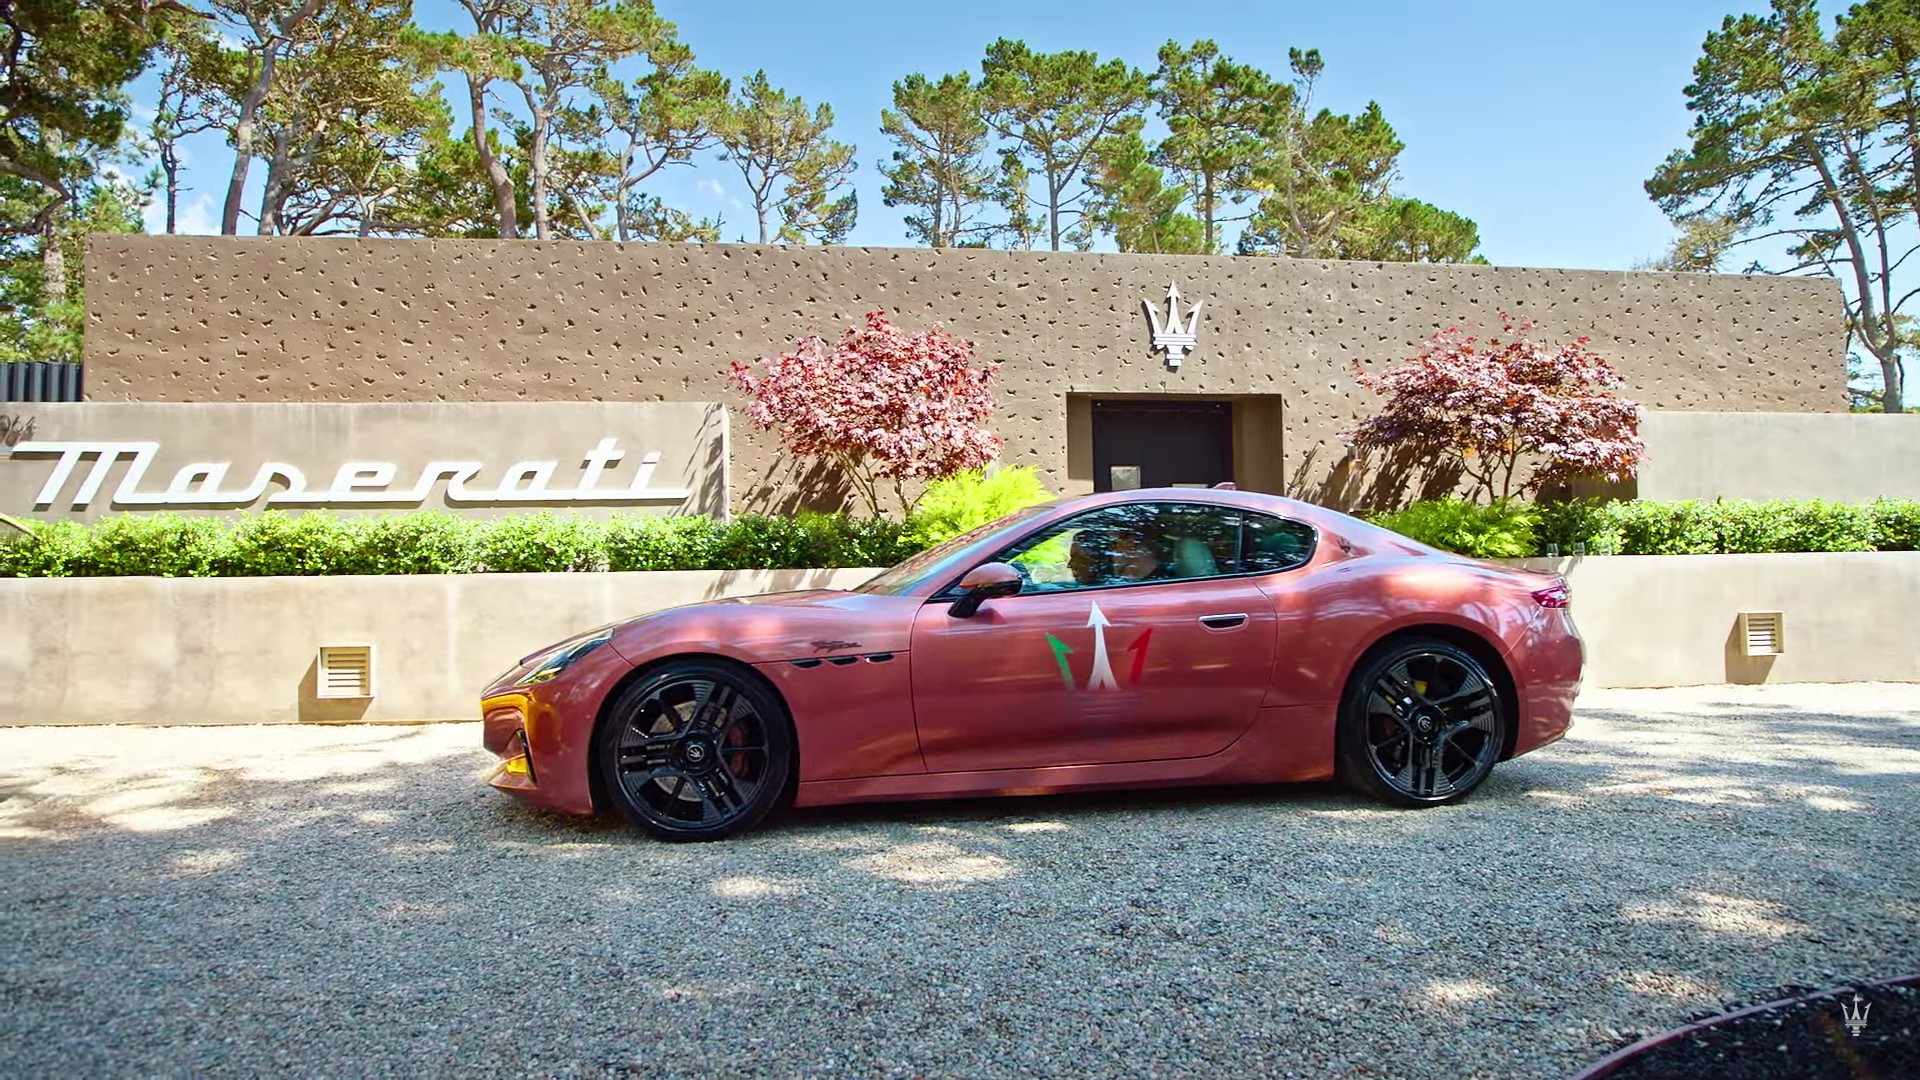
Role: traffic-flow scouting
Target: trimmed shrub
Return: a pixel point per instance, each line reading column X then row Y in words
column 970, row 499
column 1504, row 530
column 1578, row 521
column 654, row 542
column 428, row 542
column 1896, row 524
column 276, row 544
column 538, row 543
column 46, row 549
column 1653, row 528
column 162, row 545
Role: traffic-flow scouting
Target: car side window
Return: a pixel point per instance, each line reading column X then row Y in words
column 1271, row 543
column 1129, row 544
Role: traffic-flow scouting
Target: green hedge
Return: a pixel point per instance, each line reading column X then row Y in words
column 277, row 544
column 1731, row 526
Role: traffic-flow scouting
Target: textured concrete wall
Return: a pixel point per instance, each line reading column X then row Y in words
column 228, row 319
column 420, row 448
column 1840, row 456
column 245, row 650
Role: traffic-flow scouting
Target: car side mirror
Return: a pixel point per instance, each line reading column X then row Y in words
column 984, row 583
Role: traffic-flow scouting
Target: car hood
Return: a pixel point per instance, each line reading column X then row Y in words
column 774, row 626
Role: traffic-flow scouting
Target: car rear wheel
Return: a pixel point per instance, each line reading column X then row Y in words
column 1421, row 725
column 696, row 750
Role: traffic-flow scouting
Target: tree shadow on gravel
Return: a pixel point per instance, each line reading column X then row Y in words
column 354, row 900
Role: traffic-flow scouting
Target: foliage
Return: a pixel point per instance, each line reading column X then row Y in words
column 1503, row 530
column 939, row 169
column 1131, row 199
column 1490, row 406
column 431, row 542
column 277, row 544
column 789, row 164
column 970, row 499
column 1731, row 526
column 1224, row 122
column 881, row 404
column 1055, row 110
column 1896, row 524
column 661, row 118
column 538, row 543
column 60, row 89
column 1812, row 141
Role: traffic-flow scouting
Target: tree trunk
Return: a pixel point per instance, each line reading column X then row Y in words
column 497, row 177
column 1892, row 382
column 1053, row 210
column 250, row 113
column 537, row 164
column 243, row 139
column 53, row 260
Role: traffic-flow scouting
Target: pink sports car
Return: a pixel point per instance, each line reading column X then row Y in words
column 1134, row 639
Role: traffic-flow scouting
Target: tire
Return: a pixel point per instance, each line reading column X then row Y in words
column 1421, row 724
column 696, row 750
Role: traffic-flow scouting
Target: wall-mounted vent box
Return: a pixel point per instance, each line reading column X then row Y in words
column 346, row 671
column 1763, row 633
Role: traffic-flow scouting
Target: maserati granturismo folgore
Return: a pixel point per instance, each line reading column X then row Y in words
column 1134, row 639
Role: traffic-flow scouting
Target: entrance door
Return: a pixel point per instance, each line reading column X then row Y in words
column 1161, row 443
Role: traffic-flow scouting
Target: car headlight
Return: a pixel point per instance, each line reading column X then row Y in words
column 562, row 657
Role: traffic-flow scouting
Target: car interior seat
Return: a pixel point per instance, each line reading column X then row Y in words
column 1192, row 558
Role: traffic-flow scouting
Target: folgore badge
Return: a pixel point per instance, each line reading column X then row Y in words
column 1101, row 677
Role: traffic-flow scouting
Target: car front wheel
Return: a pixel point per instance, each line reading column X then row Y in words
column 696, row 750
column 1422, row 724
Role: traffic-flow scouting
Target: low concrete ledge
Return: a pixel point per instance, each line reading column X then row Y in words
column 1669, row 620
column 244, row 650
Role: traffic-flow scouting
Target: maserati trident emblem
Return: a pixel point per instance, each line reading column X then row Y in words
column 1855, row 1016
column 1172, row 335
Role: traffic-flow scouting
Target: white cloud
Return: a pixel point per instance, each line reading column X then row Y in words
column 737, row 204
column 197, row 215
column 713, row 188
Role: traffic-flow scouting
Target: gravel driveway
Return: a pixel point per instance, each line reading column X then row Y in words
column 349, row 901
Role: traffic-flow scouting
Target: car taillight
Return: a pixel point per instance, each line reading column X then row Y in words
column 1554, row 596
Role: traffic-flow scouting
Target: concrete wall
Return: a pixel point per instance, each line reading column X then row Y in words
column 244, row 650
column 232, row 319
column 1668, row 620
column 154, row 650
column 1840, row 456
column 566, row 439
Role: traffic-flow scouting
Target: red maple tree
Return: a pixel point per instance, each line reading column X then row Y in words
column 881, row 403
column 1492, row 405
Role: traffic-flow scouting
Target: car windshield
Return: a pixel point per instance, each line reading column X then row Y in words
column 903, row 577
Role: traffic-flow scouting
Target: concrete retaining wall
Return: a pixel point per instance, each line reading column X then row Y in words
column 1668, row 620
column 243, row 650
column 1846, row 457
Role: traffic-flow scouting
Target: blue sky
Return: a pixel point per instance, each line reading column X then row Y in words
column 1537, row 120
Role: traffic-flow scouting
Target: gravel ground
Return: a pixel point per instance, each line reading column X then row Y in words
column 349, row 901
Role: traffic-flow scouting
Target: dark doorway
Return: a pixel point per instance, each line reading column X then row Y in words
column 1165, row 442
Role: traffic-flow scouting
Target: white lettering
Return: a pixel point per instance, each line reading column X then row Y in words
column 356, row 482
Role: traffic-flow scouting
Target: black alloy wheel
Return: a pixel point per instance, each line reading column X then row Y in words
column 696, row 751
column 1422, row 724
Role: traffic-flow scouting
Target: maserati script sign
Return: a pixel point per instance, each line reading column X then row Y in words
column 80, row 470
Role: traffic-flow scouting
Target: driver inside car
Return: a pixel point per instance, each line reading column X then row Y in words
column 1102, row 557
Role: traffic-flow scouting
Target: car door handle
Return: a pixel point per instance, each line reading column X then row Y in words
column 1224, row 622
